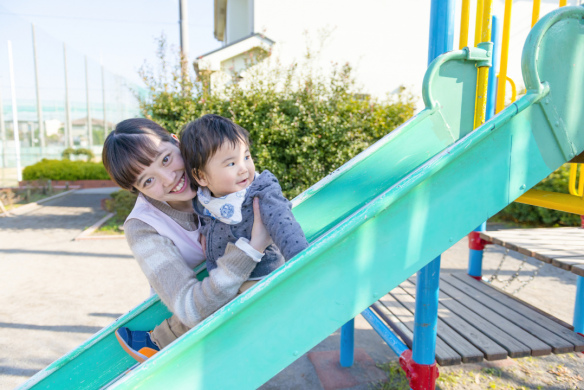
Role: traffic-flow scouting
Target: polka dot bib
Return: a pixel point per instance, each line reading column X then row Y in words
column 227, row 208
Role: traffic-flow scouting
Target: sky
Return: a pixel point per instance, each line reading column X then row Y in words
column 122, row 33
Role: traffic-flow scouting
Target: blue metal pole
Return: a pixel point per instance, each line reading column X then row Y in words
column 384, row 332
column 492, row 88
column 579, row 306
column 475, row 255
column 347, row 344
column 426, row 314
column 441, row 28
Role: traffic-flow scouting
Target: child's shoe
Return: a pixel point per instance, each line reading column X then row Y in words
column 137, row 343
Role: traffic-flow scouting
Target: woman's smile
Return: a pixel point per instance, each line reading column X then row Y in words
column 180, row 186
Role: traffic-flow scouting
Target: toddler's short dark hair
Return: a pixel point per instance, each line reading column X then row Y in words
column 200, row 140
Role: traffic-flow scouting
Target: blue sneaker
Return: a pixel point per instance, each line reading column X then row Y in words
column 137, row 343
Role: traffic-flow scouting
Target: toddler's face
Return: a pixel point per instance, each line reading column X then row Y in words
column 230, row 170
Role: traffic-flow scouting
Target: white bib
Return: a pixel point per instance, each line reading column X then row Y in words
column 227, row 209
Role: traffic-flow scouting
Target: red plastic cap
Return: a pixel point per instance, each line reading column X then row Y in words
column 476, row 242
column 421, row 376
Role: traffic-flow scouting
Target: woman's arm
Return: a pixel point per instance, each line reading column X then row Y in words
column 176, row 284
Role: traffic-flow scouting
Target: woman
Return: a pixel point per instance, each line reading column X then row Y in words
column 162, row 232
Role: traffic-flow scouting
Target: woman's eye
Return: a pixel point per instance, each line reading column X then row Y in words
column 147, row 182
column 247, row 157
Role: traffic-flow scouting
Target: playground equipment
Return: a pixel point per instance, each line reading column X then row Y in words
column 571, row 203
column 371, row 224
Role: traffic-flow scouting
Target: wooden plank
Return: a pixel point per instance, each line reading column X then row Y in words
column 567, row 263
column 578, row 270
column 541, row 319
column 551, row 341
column 515, row 348
column 444, row 354
column 516, row 248
column 562, row 250
column 490, row 349
column 538, row 347
column 468, row 352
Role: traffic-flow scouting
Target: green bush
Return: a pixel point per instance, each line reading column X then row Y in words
column 540, row 216
column 121, row 203
column 65, row 170
column 303, row 125
column 77, row 152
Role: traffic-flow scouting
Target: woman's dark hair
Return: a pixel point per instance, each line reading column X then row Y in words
column 130, row 147
column 200, row 139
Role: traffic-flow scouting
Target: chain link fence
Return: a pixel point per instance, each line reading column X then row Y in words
column 56, row 98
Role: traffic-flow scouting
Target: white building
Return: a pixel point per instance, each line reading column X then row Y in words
column 386, row 41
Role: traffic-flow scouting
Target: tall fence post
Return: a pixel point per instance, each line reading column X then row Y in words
column 89, row 124
column 3, row 137
column 38, row 93
column 68, row 127
column 104, row 104
column 14, row 113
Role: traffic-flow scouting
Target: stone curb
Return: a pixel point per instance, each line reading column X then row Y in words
column 35, row 205
column 87, row 233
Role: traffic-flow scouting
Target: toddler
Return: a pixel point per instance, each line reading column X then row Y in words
column 217, row 158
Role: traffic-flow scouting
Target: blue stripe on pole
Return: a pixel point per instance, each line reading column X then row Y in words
column 384, row 332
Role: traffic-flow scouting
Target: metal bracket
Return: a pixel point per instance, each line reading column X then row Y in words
column 558, row 127
column 482, row 54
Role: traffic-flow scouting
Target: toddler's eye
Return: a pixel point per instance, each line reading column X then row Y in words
column 230, row 164
column 165, row 159
column 147, row 182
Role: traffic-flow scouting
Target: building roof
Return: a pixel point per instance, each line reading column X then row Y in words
column 212, row 60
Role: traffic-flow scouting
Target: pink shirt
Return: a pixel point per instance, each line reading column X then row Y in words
column 187, row 242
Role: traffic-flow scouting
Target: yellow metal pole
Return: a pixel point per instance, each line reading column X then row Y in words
column 502, row 80
column 464, row 22
column 478, row 22
column 535, row 13
column 553, row 200
column 563, row 3
column 483, row 72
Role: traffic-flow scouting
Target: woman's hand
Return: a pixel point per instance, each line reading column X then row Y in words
column 260, row 238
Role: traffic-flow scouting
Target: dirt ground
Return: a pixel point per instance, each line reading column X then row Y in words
column 56, row 293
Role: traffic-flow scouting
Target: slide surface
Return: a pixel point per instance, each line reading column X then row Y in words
column 371, row 224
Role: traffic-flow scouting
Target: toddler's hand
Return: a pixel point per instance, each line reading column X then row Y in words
column 260, row 238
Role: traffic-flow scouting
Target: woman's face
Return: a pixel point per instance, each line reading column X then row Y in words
column 165, row 179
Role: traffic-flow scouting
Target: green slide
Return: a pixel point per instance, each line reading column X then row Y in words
column 371, row 224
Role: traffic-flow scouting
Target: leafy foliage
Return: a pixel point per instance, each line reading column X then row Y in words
column 67, row 153
column 121, row 203
column 303, row 125
column 65, row 170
